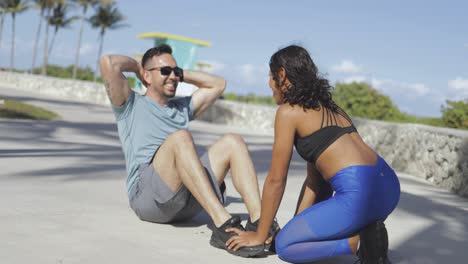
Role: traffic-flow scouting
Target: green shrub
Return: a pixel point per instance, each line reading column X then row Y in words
column 84, row 74
column 132, row 81
column 455, row 114
column 16, row 110
column 361, row 100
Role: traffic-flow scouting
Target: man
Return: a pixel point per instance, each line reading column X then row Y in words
column 167, row 180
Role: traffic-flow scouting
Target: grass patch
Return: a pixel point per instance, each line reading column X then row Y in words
column 12, row 109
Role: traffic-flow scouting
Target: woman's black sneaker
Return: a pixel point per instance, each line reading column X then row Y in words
column 271, row 233
column 220, row 237
column 373, row 247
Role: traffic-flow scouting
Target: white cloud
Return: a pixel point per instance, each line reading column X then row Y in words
column 413, row 98
column 402, row 88
column 355, row 78
column 216, row 66
column 244, row 78
column 88, row 49
column 459, row 84
column 388, row 86
column 64, row 52
column 247, row 73
column 458, row 88
column 376, row 83
column 347, row 66
column 253, row 75
column 419, row 88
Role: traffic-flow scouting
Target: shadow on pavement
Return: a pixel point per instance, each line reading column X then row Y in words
column 446, row 227
column 462, row 165
column 89, row 148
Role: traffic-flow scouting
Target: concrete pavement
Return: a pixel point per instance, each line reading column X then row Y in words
column 63, row 199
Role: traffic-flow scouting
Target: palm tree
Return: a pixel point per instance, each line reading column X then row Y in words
column 43, row 5
column 45, row 57
column 107, row 16
column 59, row 20
column 3, row 11
column 46, row 42
column 14, row 7
column 84, row 5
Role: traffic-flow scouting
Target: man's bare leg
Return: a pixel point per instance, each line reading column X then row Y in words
column 177, row 163
column 230, row 152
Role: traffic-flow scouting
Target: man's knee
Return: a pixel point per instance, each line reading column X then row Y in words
column 233, row 140
column 180, row 137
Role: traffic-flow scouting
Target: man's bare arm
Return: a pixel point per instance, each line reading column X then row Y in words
column 117, row 86
column 210, row 88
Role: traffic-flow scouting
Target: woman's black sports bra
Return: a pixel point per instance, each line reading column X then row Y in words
column 310, row 147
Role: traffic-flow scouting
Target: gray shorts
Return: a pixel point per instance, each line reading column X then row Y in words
column 153, row 201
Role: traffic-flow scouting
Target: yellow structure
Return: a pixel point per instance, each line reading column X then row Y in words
column 184, row 49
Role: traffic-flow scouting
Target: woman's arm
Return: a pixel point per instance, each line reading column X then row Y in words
column 275, row 182
column 314, row 190
column 308, row 192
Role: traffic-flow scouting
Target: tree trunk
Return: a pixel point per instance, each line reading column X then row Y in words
column 36, row 41
column 99, row 56
column 46, row 41
column 77, row 56
column 12, row 53
column 52, row 42
column 1, row 27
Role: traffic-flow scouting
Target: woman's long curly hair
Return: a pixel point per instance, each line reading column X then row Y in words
column 307, row 89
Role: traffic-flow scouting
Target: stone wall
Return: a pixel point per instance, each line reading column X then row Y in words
column 81, row 91
column 257, row 117
column 439, row 155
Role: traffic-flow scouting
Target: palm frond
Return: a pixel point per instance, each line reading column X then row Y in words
column 16, row 6
column 59, row 17
column 107, row 16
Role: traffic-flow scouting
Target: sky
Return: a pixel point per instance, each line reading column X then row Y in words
column 415, row 52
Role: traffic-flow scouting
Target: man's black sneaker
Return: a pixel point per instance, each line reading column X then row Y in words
column 373, row 247
column 272, row 232
column 220, row 237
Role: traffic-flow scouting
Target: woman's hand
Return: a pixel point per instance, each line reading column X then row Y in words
column 243, row 239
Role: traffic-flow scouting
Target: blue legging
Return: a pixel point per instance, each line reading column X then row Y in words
column 363, row 194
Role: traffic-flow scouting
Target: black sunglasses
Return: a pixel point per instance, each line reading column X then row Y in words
column 166, row 70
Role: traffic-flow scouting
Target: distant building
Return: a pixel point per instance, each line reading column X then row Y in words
column 184, row 50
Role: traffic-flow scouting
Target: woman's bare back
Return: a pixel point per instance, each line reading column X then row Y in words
column 347, row 150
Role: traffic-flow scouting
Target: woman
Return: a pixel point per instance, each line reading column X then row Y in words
column 366, row 189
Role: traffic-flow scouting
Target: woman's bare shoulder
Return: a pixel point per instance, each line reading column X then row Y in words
column 296, row 111
column 289, row 110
